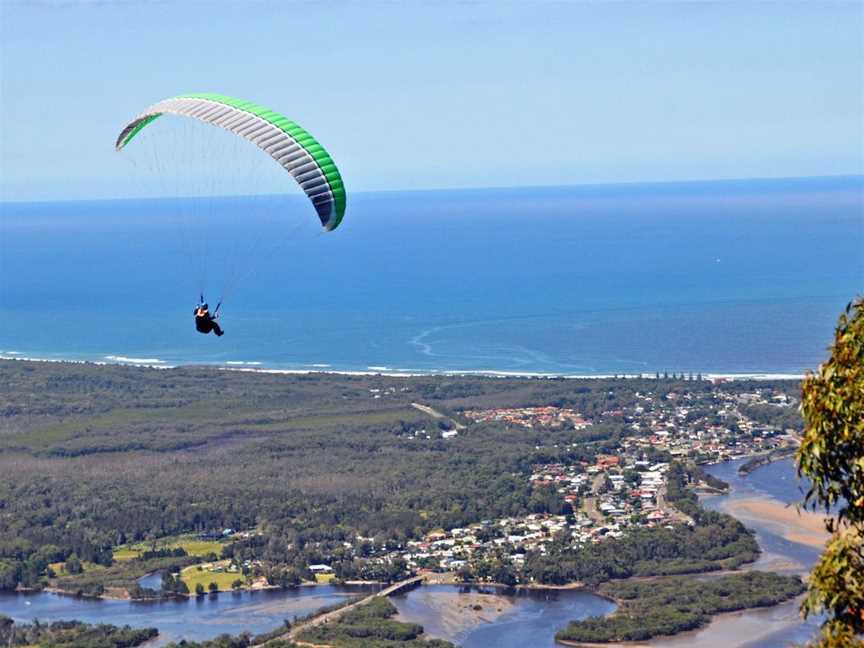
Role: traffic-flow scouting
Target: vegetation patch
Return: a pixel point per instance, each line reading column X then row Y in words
column 191, row 545
column 122, row 554
column 667, row 606
column 206, row 575
column 71, row 634
column 370, row 626
column 119, row 576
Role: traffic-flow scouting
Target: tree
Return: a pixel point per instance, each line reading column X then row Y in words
column 832, row 457
column 213, row 587
column 73, row 565
column 236, row 584
column 199, row 589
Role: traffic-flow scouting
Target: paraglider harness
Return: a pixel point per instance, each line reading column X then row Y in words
column 204, row 321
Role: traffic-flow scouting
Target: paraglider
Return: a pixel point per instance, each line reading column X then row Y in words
column 292, row 147
column 204, row 321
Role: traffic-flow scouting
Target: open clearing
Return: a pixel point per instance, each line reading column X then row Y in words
column 192, row 545
column 223, row 579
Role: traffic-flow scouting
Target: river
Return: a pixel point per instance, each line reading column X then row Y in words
column 530, row 621
column 491, row 616
column 779, row 626
column 188, row 618
column 468, row 617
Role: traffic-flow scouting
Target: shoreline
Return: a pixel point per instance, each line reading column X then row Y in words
column 323, row 368
column 797, row 526
column 120, row 594
column 786, row 520
column 690, row 638
column 794, row 524
column 759, row 460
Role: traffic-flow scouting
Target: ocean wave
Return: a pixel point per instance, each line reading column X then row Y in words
column 243, row 363
column 128, row 360
column 322, row 365
column 400, row 372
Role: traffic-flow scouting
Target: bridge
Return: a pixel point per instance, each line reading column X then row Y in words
column 327, row 617
column 401, row 586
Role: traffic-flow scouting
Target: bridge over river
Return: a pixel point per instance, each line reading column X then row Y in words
column 333, row 615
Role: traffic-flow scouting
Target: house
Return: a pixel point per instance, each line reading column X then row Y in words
column 320, row 569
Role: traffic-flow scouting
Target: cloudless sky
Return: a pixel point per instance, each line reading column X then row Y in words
column 447, row 94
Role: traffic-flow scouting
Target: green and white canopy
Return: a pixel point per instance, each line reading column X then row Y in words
column 283, row 140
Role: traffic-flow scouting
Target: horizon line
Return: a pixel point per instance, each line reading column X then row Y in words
column 628, row 183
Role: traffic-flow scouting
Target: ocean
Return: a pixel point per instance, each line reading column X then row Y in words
column 727, row 277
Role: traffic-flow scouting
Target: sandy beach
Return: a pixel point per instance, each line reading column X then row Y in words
column 257, row 366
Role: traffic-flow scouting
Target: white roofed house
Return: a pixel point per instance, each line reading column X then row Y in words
column 321, row 569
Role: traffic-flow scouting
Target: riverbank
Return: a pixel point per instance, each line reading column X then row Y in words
column 759, row 460
column 790, row 543
column 110, row 593
column 749, row 626
column 193, row 618
column 121, row 594
column 781, row 530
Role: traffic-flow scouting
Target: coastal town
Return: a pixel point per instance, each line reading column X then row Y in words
column 602, row 498
column 616, row 491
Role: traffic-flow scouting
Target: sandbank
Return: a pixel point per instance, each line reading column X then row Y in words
column 800, row 526
column 457, row 612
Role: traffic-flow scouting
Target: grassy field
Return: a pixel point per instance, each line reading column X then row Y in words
column 125, row 553
column 59, row 568
column 323, row 579
column 191, row 544
column 192, row 576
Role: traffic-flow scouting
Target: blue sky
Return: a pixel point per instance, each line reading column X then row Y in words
column 447, row 94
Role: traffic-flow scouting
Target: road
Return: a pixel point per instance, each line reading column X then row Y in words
column 436, row 414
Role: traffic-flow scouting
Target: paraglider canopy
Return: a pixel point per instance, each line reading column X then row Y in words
column 283, row 140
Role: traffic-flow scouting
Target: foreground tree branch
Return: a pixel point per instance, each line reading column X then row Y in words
column 832, row 457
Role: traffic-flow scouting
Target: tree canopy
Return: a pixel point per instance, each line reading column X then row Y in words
column 832, row 458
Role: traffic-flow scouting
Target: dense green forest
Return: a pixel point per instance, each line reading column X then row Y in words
column 71, row 634
column 95, row 457
column 669, row 605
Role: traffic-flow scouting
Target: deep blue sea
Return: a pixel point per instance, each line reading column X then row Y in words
column 715, row 277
